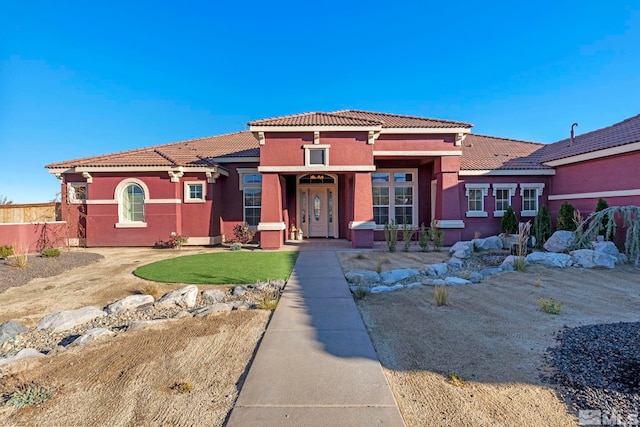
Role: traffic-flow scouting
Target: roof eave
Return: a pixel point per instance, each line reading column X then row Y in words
column 593, row 155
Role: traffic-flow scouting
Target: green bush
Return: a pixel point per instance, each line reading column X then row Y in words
column 610, row 233
column 29, row 394
column 423, row 238
column 509, row 223
column 542, row 226
column 566, row 216
column 391, row 235
column 50, row 253
column 6, row 251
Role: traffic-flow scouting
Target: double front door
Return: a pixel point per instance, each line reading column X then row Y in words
column 317, row 210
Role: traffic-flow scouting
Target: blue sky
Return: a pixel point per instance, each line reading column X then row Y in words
column 85, row 78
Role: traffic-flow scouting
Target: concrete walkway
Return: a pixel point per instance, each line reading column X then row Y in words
column 315, row 365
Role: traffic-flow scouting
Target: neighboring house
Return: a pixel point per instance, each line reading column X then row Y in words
column 340, row 175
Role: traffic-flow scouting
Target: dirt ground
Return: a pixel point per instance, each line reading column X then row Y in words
column 493, row 334
column 127, row 380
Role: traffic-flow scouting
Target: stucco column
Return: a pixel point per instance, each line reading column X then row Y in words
column 448, row 198
column 271, row 226
column 362, row 225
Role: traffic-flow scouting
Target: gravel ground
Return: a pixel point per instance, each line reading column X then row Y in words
column 598, row 367
column 39, row 267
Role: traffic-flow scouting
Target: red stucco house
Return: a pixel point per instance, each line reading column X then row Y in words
column 342, row 174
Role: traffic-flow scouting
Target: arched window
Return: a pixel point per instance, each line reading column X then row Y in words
column 133, row 203
column 131, row 195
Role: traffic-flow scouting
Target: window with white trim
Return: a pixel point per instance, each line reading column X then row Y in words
column 530, row 193
column 132, row 204
column 316, row 154
column 251, row 186
column 475, row 199
column 77, row 192
column 503, row 194
column 194, row 192
column 394, row 196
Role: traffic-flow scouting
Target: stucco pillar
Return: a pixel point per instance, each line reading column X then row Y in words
column 362, row 225
column 448, row 198
column 271, row 226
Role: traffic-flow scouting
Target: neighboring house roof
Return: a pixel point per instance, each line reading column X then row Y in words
column 481, row 152
column 194, row 152
column 358, row 118
column 616, row 135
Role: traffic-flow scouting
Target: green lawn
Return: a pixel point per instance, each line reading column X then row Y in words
column 221, row 268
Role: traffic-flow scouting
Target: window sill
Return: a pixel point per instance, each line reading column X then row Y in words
column 131, row 225
column 498, row 214
column 528, row 213
column 477, row 214
column 194, row 201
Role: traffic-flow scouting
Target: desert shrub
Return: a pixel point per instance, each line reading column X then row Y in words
column 550, row 305
column 407, row 235
column 360, row 256
column 6, row 251
column 50, row 253
column 182, row 388
column 267, row 303
column 151, row 289
column 391, row 235
column 608, row 233
column 28, row 394
column 242, row 233
column 176, row 241
column 456, row 379
column 519, row 264
column 436, row 235
column 440, row 294
column 509, row 222
column 565, row 220
column 235, row 247
column 542, row 226
column 359, row 293
column 423, row 238
column 21, row 258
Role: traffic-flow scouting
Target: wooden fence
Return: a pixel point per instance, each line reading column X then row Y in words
column 30, row 213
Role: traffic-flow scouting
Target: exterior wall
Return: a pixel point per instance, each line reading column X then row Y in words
column 410, row 142
column 600, row 176
column 229, row 196
column 490, row 225
column 31, row 236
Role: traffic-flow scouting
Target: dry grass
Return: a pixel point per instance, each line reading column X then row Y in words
column 440, row 294
column 21, row 258
column 151, row 289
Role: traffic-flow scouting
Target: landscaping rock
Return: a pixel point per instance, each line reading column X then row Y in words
column 476, row 277
column 437, row 270
column 212, row 309
column 130, row 303
column 609, row 248
column 453, row 281
column 455, row 263
column 560, row 241
column 22, row 354
column 182, row 314
column 588, row 258
column 508, row 240
column 69, row 319
column 490, row 271
column 362, row 277
column 239, row 291
column 215, row 295
column 91, row 335
column 461, row 250
column 414, row 285
column 394, row 276
column 380, row 289
column 493, row 242
column 508, row 261
column 185, row 297
column 507, row 267
column 550, row 259
column 242, row 305
column 8, row 330
column 433, row 282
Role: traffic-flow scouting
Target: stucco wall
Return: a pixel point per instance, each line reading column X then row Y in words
column 32, row 237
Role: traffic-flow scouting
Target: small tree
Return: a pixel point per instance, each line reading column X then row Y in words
column 391, row 235
column 602, row 205
column 509, row 223
column 542, row 226
column 566, row 215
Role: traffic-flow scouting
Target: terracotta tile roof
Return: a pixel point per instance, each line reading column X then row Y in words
column 358, row 118
column 401, row 121
column 315, row 119
column 194, row 152
column 490, row 153
column 625, row 132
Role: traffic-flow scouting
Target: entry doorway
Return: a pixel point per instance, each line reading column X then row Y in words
column 318, row 205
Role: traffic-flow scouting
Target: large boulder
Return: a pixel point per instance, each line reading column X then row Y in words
column 588, row 258
column 90, row 336
column 22, row 354
column 8, row 330
column 380, row 289
column 455, row 263
column 183, row 297
column 560, row 241
column 214, row 295
column 453, row 281
column 130, row 303
column 437, row 270
column 212, row 309
column 394, row 276
column 362, row 277
column 606, row 247
column 69, row 319
column 492, row 242
column 550, row 259
column 461, row 250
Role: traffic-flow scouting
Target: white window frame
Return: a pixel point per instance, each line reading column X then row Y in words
column 72, row 192
column 307, row 154
column 187, row 192
column 484, row 189
column 242, row 172
column 538, row 187
column 512, row 192
column 392, row 184
column 119, row 197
